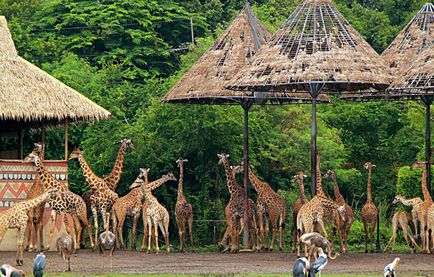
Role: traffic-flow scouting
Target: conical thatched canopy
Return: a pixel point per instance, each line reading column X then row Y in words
column 414, row 38
column 205, row 82
column 316, row 44
column 29, row 95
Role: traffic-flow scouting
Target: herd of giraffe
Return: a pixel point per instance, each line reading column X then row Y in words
column 269, row 210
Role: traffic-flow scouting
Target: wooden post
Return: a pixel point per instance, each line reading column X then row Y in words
column 192, row 31
column 43, row 134
column 21, row 139
column 66, row 140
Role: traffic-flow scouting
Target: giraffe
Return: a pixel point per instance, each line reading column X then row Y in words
column 236, row 203
column 183, row 210
column 35, row 222
column 349, row 214
column 251, row 215
column 402, row 219
column 103, row 197
column 16, row 218
column 424, row 207
column 369, row 211
column 112, row 179
column 68, row 203
column 129, row 204
column 156, row 214
column 272, row 206
column 301, row 200
column 331, row 216
column 415, row 204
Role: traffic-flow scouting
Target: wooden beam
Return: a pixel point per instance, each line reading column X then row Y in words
column 66, row 140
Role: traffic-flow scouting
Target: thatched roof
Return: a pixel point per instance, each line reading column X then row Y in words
column 205, row 82
column 419, row 77
column 29, row 95
column 414, row 38
column 316, row 44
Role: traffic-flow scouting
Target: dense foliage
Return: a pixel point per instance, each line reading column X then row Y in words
column 119, row 54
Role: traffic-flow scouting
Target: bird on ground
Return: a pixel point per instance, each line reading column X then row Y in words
column 107, row 241
column 389, row 270
column 7, row 270
column 65, row 248
column 319, row 264
column 39, row 265
column 301, row 268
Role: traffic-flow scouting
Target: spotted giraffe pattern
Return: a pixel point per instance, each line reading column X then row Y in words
column 401, row 218
column 272, row 206
column 183, row 210
column 156, row 214
column 424, row 208
column 299, row 202
column 16, row 217
column 129, row 205
column 349, row 213
column 103, row 197
column 414, row 203
column 67, row 203
column 369, row 212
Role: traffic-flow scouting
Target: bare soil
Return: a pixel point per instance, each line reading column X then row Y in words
column 87, row 262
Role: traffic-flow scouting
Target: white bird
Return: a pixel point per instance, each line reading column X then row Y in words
column 301, row 267
column 7, row 270
column 389, row 270
column 39, row 265
column 319, row 264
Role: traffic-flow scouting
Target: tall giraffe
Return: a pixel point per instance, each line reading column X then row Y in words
column 236, row 203
column 251, row 215
column 129, row 204
column 156, row 214
column 152, row 186
column 16, row 217
column 414, row 203
column 183, row 209
column 369, row 211
column 35, row 224
column 103, row 197
column 272, row 206
column 331, row 216
column 424, row 207
column 299, row 202
column 67, row 203
column 349, row 214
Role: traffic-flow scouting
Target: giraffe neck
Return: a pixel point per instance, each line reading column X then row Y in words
column 30, row 204
column 426, row 194
column 88, row 173
column 115, row 175
column 230, row 182
column 47, row 179
column 326, row 202
column 408, row 202
column 156, row 184
column 301, row 193
column 259, row 185
column 369, row 194
column 319, row 189
column 181, row 183
column 336, row 190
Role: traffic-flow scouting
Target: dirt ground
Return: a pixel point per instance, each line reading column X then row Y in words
column 87, row 262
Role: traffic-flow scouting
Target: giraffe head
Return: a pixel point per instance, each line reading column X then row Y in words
column 76, row 153
column 341, row 211
column 330, row 174
column 369, row 165
column 169, row 176
column 299, row 178
column 397, row 199
column 127, row 143
column 32, row 157
column 139, row 182
column 236, row 169
column 181, row 161
column 39, row 147
column 144, row 173
column 223, row 157
column 52, row 193
column 419, row 164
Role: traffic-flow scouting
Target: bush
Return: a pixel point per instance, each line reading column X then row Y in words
column 409, row 182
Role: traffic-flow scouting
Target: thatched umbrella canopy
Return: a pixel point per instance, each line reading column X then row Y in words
column 29, row 96
column 205, row 82
column 315, row 51
column 409, row 59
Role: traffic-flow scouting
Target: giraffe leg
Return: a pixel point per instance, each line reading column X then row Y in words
column 40, row 233
column 20, row 250
column 95, row 224
column 120, row 231
column 78, row 229
column 273, row 233
column 281, row 222
column 190, row 231
column 266, row 233
column 52, row 228
column 145, row 230
column 155, row 224
column 134, row 232
column 261, row 228
column 366, row 236
column 180, row 224
column 372, row 230
column 30, row 235
column 85, row 221
column 150, row 231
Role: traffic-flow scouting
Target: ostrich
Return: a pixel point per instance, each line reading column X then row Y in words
column 315, row 241
column 390, row 268
column 39, row 265
column 107, row 241
column 7, row 270
column 65, row 249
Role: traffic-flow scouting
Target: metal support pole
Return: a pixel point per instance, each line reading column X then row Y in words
column 314, row 89
column 246, row 104
column 427, row 100
column 66, row 140
column 192, row 31
column 377, row 243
